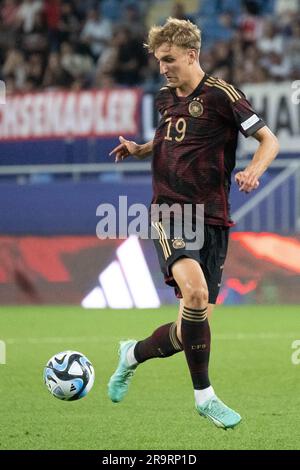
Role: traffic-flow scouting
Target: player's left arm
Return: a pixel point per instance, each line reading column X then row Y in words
column 268, row 148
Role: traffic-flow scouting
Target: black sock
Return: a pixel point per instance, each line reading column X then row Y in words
column 162, row 343
column 195, row 334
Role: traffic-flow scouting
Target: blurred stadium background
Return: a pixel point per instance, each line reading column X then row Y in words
column 77, row 77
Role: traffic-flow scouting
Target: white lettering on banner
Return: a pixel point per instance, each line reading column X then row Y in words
column 113, row 112
column 59, row 114
column 38, row 116
column 24, row 113
column 68, row 124
column 54, row 103
column 85, row 113
column 99, row 113
column 275, row 104
column 128, row 112
column 10, row 114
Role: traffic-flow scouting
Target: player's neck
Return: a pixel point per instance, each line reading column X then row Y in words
column 187, row 88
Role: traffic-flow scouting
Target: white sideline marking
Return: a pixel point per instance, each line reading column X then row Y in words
column 99, row 339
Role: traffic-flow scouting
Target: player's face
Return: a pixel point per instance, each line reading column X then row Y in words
column 174, row 63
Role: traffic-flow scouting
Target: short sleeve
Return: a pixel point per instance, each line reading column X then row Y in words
column 246, row 118
column 233, row 105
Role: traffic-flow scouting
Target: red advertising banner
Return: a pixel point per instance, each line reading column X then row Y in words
column 82, row 270
column 102, row 113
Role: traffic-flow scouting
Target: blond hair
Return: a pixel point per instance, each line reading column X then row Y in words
column 181, row 33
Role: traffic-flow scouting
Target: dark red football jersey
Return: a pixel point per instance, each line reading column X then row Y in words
column 195, row 145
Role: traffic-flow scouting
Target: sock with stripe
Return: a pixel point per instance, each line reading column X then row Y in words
column 195, row 334
column 162, row 343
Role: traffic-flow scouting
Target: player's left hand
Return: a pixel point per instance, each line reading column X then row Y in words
column 247, row 180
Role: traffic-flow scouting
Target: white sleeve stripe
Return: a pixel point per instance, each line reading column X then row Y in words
column 250, row 122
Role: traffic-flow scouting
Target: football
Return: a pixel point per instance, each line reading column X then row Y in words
column 69, row 375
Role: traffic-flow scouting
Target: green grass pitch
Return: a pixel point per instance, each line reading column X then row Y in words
column 251, row 370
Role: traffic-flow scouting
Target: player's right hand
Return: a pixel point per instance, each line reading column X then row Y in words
column 247, row 180
column 124, row 149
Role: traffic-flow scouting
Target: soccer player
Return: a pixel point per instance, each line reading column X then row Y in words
column 193, row 156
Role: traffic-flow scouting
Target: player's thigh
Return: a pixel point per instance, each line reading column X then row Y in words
column 191, row 281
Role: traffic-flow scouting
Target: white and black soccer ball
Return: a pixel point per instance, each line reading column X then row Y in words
column 69, row 375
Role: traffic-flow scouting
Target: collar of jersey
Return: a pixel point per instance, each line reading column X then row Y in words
column 194, row 93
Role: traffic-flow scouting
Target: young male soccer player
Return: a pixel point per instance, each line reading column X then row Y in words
column 193, row 156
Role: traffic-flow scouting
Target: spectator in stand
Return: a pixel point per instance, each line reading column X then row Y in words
column 27, row 14
column 37, row 39
column 293, row 50
column 226, row 27
column 152, row 78
column 104, row 80
column 82, row 7
column 282, row 6
column 247, row 66
column 254, row 46
column 132, row 19
column 76, row 65
column 222, row 54
column 271, row 40
column 55, row 76
column 107, row 62
column 10, row 85
column 130, row 59
column 35, row 69
column 69, row 23
column 96, row 33
column 250, row 26
column 52, row 12
column 8, row 14
column 178, row 11
column 14, row 69
column 278, row 66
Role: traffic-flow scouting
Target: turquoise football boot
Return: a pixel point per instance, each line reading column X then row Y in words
column 120, row 380
column 220, row 414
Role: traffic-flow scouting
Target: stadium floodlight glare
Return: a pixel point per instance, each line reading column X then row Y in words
column 137, row 274
column 95, row 299
column 115, row 288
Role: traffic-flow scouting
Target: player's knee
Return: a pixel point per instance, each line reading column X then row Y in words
column 196, row 297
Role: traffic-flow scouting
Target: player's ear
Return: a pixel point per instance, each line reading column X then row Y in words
column 191, row 56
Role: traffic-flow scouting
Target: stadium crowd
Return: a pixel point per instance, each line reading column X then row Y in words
column 80, row 44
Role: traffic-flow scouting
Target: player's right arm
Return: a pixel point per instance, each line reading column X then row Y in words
column 128, row 147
